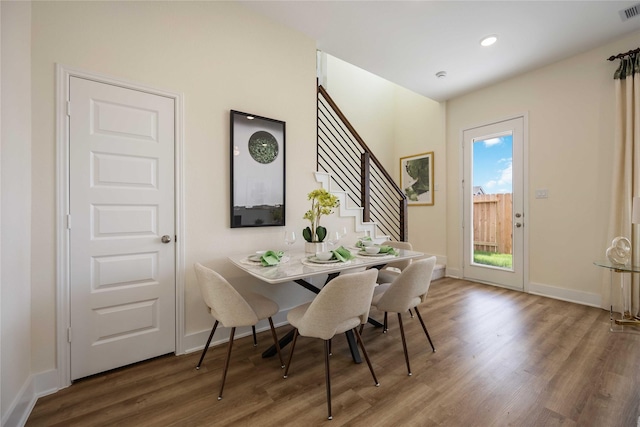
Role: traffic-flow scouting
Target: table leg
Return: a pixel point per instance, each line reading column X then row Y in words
column 353, row 347
column 284, row 341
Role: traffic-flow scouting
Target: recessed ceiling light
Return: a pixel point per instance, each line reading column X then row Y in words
column 489, row 40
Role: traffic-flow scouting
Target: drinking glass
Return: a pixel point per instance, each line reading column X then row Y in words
column 289, row 237
column 334, row 238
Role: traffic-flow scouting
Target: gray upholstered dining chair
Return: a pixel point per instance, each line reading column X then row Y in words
column 233, row 309
column 389, row 272
column 342, row 305
column 407, row 291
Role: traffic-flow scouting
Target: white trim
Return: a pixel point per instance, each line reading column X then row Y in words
column 563, row 294
column 20, row 409
column 63, row 74
column 195, row 341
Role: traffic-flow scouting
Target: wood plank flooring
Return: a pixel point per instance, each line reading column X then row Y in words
column 503, row 358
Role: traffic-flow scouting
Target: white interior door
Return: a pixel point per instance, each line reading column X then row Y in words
column 493, row 242
column 122, row 275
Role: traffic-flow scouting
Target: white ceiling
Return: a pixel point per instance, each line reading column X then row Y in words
column 408, row 42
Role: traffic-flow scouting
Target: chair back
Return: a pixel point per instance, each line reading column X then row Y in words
column 225, row 303
column 400, row 265
column 410, row 288
column 341, row 305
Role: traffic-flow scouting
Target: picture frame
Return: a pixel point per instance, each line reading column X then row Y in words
column 416, row 178
column 258, row 154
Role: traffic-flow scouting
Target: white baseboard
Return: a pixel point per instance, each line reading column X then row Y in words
column 22, row 405
column 196, row 341
column 570, row 295
column 37, row 385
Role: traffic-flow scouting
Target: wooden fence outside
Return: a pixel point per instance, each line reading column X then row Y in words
column 492, row 223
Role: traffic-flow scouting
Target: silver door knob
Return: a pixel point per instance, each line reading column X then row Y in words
column 166, row 238
column 518, row 225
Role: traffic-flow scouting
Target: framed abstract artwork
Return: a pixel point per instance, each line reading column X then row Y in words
column 416, row 179
column 257, row 171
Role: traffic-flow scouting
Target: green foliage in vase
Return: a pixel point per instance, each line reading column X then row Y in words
column 322, row 203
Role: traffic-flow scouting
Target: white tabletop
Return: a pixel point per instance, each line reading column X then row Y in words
column 295, row 265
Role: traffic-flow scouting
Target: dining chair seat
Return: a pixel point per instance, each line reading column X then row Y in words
column 392, row 270
column 406, row 292
column 233, row 309
column 341, row 306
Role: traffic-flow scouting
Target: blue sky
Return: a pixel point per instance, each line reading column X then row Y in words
column 492, row 160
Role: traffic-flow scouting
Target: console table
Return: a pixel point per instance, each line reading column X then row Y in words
column 625, row 321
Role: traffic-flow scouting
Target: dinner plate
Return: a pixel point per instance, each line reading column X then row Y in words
column 368, row 254
column 315, row 259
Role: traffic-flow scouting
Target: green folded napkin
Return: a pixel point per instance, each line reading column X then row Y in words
column 271, row 258
column 384, row 249
column 342, row 254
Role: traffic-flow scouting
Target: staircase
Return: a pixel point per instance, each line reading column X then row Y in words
column 347, row 168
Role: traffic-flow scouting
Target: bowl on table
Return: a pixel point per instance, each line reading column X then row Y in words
column 366, row 243
column 372, row 250
column 324, row 256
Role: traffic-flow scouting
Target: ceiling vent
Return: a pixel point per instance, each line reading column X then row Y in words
column 630, row 12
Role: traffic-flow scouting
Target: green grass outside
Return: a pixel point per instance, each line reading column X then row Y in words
column 493, row 259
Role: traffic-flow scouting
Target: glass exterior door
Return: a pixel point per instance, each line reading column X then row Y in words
column 493, row 204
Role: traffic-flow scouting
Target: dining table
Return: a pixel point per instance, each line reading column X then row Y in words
column 304, row 268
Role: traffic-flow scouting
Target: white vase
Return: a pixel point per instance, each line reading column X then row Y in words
column 313, row 247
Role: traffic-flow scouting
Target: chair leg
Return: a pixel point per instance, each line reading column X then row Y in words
column 404, row 344
column 361, row 328
column 385, row 326
column 293, row 346
column 425, row 330
column 206, row 346
column 275, row 340
column 330, row 352
column 411, row 313
column 226, row 362
column 255, row 339
column 327, row 378
column 366, row 356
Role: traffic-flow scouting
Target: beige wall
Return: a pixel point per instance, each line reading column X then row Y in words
column 15, row 226
column 395, row 122
column 571, row 127
column 220, row 57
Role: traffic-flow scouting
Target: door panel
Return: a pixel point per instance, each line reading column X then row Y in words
column 493, row 242
column 121, row 203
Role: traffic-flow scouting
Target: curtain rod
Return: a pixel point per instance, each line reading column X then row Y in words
column 622, row 55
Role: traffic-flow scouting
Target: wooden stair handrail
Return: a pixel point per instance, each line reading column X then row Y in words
column 346, row 122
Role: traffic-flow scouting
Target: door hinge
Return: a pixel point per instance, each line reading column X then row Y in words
column 69, row 108
column 68, row 221
column 69, row 334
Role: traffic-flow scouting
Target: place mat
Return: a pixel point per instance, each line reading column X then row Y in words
column 307, row 261
column 378, row 255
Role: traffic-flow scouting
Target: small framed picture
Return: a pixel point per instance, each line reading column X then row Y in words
column 257, row 171
column 416, row 179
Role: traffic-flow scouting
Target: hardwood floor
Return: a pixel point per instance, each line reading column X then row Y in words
column 503, row 358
